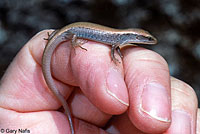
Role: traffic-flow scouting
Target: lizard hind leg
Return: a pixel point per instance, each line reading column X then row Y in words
column 115, row 47
column 78, row 42
column 50, row 35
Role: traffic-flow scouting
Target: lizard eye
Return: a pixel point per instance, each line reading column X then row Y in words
column 144, row 38
column 150, row 39
column 141, row 38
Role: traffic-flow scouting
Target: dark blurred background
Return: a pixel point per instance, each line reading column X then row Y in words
column 175, row 23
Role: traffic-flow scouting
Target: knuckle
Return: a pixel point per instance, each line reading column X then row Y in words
column 183, row 89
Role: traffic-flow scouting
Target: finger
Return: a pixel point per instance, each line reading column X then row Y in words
column 23, row 87
column 100, row 79
column 83, row 109
column 80, row 105
column 122, row 125
column 42, row 122
column 184, row 108
column 148, row 81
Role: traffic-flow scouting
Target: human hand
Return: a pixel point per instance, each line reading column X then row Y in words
column 96, row 89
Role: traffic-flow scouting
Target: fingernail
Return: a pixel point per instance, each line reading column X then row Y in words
column 181, row 123
column 156, row 102
column 116, row 86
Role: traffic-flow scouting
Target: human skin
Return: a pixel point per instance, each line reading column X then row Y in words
column 139, row 92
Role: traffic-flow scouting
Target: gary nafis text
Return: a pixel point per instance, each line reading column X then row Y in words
column 14, row 131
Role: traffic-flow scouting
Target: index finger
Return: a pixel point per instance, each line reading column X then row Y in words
column 22, row 87
column 148, row 80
